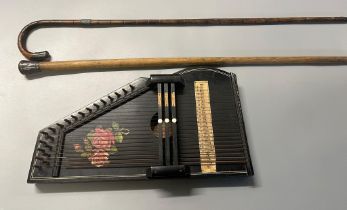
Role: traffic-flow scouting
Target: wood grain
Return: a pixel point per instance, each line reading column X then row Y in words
column 89, row 23
column 140, row 63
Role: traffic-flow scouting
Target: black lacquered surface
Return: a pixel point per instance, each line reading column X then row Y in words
column 136, row 118
column 137, row 151
column 230, row 145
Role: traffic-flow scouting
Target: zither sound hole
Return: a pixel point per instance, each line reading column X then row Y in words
column 155, row 126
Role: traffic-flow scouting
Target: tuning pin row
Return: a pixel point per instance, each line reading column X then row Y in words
column 51, row 132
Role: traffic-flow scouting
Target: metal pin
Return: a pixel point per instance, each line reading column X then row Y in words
column 132, row 87
column 96, row 105
column 74, row 117
column 53, row 129
column 68, row 121
column 111, row 98
column 60, row 125
column 103, row 101
column 82, row 114
column 38, row 166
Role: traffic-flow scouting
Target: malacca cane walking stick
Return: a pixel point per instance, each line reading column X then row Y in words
column 39, row 61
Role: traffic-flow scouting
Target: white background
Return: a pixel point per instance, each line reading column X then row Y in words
column 295, row 116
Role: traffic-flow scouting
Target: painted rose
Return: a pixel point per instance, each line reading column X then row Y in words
column 103, row 139
column 100, row 143
column 99, row 158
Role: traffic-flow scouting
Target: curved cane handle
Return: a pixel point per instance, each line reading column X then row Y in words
column 44, row 55
column 34, row 65
column 22, row 39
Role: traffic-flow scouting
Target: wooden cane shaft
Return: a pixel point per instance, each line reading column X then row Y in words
column 134, row 63
column 44, row 55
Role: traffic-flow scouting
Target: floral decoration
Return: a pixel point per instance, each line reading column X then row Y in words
column 100, row 143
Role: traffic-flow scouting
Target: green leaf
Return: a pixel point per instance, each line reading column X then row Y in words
column 113, row 149
column 115, row 126
column 88, row 147
column 119, row 137
column 90, row 137
column 84, row 154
